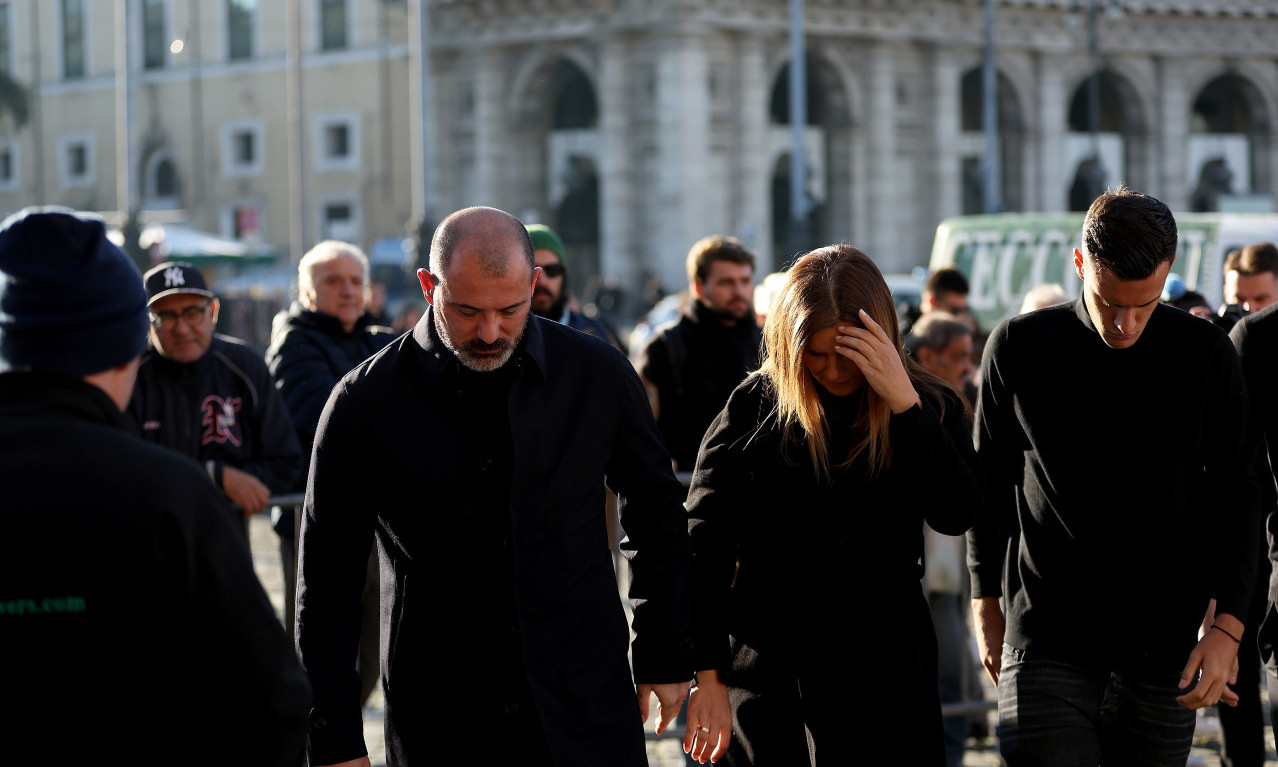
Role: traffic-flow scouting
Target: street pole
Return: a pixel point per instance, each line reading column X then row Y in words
column 421, row 155
column 124, row 197
column 799, row 236
column 296, row 134
column 1096, row 172
column 993, row 164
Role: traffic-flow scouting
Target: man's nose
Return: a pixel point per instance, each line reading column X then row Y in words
column 490, row 329
column 1123, row 320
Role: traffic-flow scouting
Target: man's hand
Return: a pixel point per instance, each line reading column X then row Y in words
column 245, row 489
column 1214, row 661
column 988, row 625
column 670, row 699
column 709, row 719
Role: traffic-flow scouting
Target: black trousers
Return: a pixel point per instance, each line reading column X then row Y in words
column 808, row 708
column 1242, row 729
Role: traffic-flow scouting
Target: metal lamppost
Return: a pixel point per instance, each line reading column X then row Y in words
column 992, row 166
column 125, row 198
column 800, row 206
column 421, row 225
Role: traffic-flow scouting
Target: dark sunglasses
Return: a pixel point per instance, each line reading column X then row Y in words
column 553, row 270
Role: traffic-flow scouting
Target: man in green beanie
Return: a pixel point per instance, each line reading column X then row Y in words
column 551, row 299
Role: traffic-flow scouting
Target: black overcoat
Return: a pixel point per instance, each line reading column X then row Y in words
column 820, row 579
column 131, row 620
column 398, row 459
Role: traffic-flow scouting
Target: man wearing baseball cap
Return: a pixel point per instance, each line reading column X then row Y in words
column 130, row 614
column 209, row 396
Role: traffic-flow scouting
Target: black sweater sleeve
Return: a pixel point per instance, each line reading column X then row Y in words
column 720, row 484
column 998, row 442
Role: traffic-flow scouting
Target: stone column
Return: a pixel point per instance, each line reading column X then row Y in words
column 618, row 256
column 880, row 184
column 1172, row 137
column 943, row 179
column 490, row 127
column 683, row 147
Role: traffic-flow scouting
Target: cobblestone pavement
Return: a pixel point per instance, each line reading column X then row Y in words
column 663, row 753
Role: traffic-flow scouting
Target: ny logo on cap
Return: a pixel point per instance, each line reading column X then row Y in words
column 174, row 276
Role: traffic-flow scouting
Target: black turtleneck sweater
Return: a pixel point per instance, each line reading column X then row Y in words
column 1119, row 487
column 694, row 364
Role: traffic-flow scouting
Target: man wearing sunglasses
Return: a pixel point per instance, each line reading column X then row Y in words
column 551, row 299
column 209, row 396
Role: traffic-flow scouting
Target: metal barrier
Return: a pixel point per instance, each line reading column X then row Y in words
column 958, row 708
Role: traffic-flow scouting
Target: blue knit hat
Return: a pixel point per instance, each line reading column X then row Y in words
column 70, row 301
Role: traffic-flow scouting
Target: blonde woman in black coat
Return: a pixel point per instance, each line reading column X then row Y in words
column 806, row 513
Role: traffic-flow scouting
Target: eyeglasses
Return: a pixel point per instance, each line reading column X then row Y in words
column 553, row 270
column 190, row 315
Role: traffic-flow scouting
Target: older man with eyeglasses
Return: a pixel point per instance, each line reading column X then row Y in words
column 209, row 396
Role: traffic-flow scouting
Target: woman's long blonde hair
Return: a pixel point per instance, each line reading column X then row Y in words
column 824, row 288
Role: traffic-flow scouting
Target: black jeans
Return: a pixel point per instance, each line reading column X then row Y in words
column 1059, row 715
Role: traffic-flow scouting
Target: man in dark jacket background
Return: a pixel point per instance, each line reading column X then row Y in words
column 125, row 590
column 691, row 365
column 317, row 341
column 209, row 396
column 491, row 433
column 552, row 298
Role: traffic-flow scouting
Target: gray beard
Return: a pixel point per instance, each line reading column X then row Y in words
column 465, row 353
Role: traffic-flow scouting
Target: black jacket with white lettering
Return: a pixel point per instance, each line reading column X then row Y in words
column 220, row 410
column 131, row 621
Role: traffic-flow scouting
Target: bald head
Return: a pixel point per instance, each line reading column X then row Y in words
column 485, row 234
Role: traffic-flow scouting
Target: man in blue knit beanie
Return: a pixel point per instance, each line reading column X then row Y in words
column 124, row 589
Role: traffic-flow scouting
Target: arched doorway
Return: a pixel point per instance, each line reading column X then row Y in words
column 1011, row 133
column 828, row 161
column 1228, row 146
column 553, row 147
column 1106, row 140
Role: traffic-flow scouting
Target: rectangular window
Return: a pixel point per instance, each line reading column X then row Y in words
column 243, row 151
column 339, row 219
column 337, row 142
column 333, row 25
column 75, row 160
column 6, row 39
column 244, row 147
column 8, row 167
column 239, row 26
column 73, row 46
column 155, row 42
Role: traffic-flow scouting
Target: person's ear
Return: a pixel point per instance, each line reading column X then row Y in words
column 698, row 289
column 537, row 272
column 925, row 356
column 1078, row 263
column 215, row 307
column 428, row 282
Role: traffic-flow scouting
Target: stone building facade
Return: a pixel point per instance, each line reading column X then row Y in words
column 638, row 126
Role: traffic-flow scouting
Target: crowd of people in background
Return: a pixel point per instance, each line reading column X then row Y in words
column 833, row 508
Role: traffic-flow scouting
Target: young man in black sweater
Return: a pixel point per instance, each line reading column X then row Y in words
column 1122, row 509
